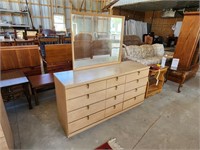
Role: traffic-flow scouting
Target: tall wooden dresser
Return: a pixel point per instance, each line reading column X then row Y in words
column 86, row 98
column 187, row 49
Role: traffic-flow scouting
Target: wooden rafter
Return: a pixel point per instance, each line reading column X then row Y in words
column 83, row 2
column 107, row 7
column 73, row 7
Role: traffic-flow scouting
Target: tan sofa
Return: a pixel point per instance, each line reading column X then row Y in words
column 145, row 54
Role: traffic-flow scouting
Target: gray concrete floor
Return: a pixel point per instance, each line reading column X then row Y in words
column 168, row 120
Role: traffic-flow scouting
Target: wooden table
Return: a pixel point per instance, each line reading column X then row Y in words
column 13, row 78
column 156, row 81
column 43, row 81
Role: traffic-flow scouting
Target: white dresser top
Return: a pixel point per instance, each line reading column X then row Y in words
column 75, row 78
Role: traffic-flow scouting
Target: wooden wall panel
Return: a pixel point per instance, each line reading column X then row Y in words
column 161, row 26
column 129, row 14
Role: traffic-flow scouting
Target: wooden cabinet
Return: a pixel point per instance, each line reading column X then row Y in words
column 187, row 49
column 87, row 97
column 188, row 40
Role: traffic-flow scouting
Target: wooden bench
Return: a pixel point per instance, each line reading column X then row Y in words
column 20, row 58
column 58, row 58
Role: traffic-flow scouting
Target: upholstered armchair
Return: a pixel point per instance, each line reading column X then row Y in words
column 101, row 47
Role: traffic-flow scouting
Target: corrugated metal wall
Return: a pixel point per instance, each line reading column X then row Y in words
column 42, row 10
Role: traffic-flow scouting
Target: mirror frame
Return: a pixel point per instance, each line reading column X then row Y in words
column 72, row 39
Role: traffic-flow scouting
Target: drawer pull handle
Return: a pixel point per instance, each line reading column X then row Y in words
column 114, row 106
column 116, row 88
column 88, row 86
column 88, row 107
column 138, row 80
column 88, row 96
column 115, row 97
column 117, row 78
column 138, row 72
column 134, row 98
column 88, row 117
column 136, row 90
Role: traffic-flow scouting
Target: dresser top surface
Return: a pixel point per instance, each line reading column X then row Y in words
column 73, row 78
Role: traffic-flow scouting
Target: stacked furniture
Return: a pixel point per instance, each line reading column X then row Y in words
column 86, row 98
column 187, row 50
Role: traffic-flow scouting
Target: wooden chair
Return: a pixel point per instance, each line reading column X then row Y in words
column 65, row 40
column 101, row 47
column 47, row 40
column 82, row 46
column 58, row 57
column 25, row 42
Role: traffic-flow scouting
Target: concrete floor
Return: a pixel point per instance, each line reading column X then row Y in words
column 168, row 120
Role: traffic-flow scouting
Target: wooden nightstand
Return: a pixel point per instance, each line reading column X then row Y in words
column 156, row 81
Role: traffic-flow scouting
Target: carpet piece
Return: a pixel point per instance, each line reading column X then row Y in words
column 110, row 145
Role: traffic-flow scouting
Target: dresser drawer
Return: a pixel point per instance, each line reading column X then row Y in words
column 85, row 89
column 133, row 101
column 116, row 81
column 114, row 100
column 135, row 92
column 85, row 100
column 113, row 110
column 136, row 83
column 137, row 75
column 116, row 90
column 79, row 124
column 85, row 111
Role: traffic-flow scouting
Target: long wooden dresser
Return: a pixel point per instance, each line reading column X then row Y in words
column 86, row 98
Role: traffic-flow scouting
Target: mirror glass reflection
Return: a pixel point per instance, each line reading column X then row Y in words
column 96, row 39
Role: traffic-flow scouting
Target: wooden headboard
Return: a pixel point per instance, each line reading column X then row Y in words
column 58, row 57
column 19, row 57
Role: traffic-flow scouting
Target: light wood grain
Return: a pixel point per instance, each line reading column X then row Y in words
column 133, row 101
column 98, row 99
column 113, row 110
column 86, row 100
column 86, row 121
column 6, row 137
column 135, row 92
column 114, row 100
column 85, row 111
column 61, row 104
column 79, row 77
column 115, row 91
column 137, row 75
column 116, row 81
column 85, row 89
column 136, row 83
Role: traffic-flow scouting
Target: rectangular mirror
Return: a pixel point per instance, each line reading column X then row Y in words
column 97, row 39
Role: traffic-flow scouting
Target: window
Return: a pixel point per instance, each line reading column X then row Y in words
column 59, row 22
